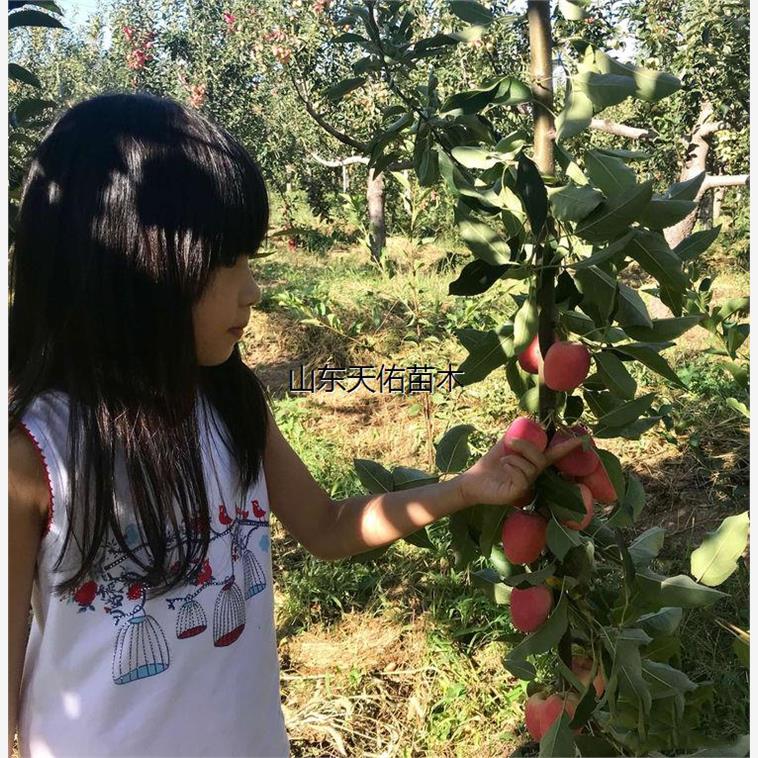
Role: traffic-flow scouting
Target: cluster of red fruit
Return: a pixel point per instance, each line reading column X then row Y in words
column 229, row 19
column 542, row 710
column 140, row 53
column 525, row 533
column 281, row 52
column 197, row 95
column 319, row 6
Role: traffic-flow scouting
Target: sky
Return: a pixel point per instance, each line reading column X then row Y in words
column 76, row 12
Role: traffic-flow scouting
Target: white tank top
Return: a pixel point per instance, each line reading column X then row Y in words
column 194, row 672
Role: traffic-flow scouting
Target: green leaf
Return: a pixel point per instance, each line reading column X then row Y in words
column 471, row 12
column 420, row 538
column 472, row 156
column 476, row 277
column 614, row 375
column 406, row 478
column 649, row 85
column 736, row 405
column 716, row 559
column 575, row 117
column 525, row 325
column 647, row 546
column 559, row 494
column 630, row 506
column 591, row 746
column 484, row 242
column 608, row 173
column 33, row 18
column 487, row 351
column 489, row 581
column 572, row 10
column 625, row 155
column 604, row 90
column 373, row 476
column 686, row 190
column 615, row 473
column 664, row 329
column 21, row 74
column 662, row 213
column 649, row 357
column 531, row 578
column 612, row 217
column 30, row 108
column 561, row 539
column 631, row 309
column 569, row 165
column 660, row 591
column 607, row 253
column 690, row 247
column 337, row 91
column 531, row 189
column 498, row 90
column 628, row 412
column 664, row 622
column 558, row 740
column 573, row 202
column 598, row 293
column 463, row 548
column 653, row 253
column 452, row 450
column 530, row 400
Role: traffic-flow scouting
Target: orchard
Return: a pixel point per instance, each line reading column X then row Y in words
column 571, row 183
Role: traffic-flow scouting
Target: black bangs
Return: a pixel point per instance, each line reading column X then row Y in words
column 130, row 202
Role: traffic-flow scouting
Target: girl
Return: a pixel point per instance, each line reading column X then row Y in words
column 144, row 461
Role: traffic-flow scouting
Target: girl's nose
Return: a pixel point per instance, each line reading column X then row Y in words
column 252, row 293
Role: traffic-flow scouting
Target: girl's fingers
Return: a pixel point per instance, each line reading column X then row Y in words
column 530, row 452
column 530, row 470
column 518, row 478
column 556, row 453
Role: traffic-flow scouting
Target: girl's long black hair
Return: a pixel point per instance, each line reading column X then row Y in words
column 130, row 203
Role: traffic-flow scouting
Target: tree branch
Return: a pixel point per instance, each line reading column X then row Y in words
column 339, row 162
column 622, row 130
column 734, row 180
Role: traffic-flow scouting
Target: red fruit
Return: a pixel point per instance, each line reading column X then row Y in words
column 578, row 462
column 541, row 712
column 86, row 593
column 589, row 510
column 581, row 666
column 600, row 485
column 533, row 714
column 566, row 366
column 530, row 358
column 524, row 537
column 530, row 607
column 524, row 428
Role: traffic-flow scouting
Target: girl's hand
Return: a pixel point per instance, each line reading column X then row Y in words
column 500, row 479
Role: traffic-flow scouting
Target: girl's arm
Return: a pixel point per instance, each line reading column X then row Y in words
column 28, row 498
column 332, row 530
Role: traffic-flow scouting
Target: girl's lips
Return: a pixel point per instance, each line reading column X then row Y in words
column 236, row 331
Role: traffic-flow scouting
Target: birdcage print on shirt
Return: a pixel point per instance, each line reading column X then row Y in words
column 141, row 650
column 191, row 620
column 228, row 614
column 253, row 576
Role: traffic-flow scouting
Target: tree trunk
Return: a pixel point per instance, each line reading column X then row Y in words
column 694, row 163
column 541, row 74
column 377, row 230
column 718, row 200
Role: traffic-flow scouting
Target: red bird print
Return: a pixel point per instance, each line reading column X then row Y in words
column 223, row 516
column 205, row 573
column 240, row 512
column 257, row 510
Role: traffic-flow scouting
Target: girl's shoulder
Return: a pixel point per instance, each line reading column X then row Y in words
column 28, row 484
